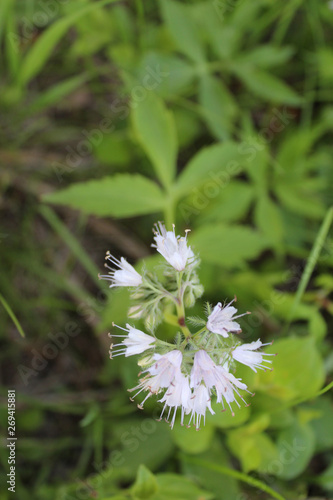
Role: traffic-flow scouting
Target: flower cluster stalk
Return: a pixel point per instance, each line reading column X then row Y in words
column 200, row 365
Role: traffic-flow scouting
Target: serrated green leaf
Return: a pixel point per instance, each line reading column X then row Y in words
column 265, row 85
column 268, row 219
column 231, row 204
column 301, row 201
column 177, row 17
column 267, row 56
column 169, row 74
column 218, row 106
column 122, row 195
column 155, row 129
column 227, row 246
column 217, row 163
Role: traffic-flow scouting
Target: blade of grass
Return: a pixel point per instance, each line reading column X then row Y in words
column 291, row 404
column 325, row 389
column 236, row 474
column 12, row 315
column 5, row 7
column 43, row 47
column 311, row 262
column 71, row 242
column 54, row 94
column 12, row 45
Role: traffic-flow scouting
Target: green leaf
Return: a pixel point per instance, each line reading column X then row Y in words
column 326, row 478
column 192, row 441
column 177, row 17
column 317, row 325
column 224, row 42
column 144, row 441
column 254, row 451
column 219, row 107
column 224, row 487
column 43, row 47
column 265, row 85
column 268, row 219
column 227, row 246
column 145, row 484
column 289, row 380
column 322, row 426
column 325, row 64
column 217, row 163
column 224, row 38
column 267, row 56
column 300, row 200
column 225, row 420
column 155, row 130
column 296, row 446
column 169, row 75
column 230, row 204
column 122, row 195
column 178, row 487
column 235, row 474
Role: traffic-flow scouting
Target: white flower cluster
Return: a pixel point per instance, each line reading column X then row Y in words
column 187, row 374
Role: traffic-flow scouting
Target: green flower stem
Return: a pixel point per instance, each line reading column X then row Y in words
column 200, row 331
column 180, row 307
column 161, row 291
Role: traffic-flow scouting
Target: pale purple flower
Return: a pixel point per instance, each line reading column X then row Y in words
column 177, row 395
column 126, row 275
column 135, row 342
column 199, row 403
column 203, row 369
column 227, row 386
column 160, row 375
column 222, row 319
column 244, row 354
column 215, row 377
column 173, row 248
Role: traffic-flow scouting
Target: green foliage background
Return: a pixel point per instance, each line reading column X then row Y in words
column 215, row 116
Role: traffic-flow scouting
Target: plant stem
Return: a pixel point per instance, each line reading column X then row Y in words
column 180, row 307
column 311, row 262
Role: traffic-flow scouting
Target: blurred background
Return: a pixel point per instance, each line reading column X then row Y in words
column 215, row 115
